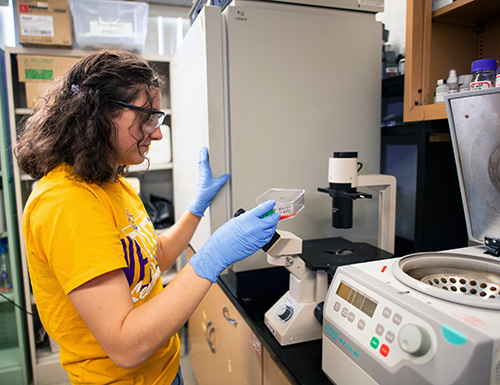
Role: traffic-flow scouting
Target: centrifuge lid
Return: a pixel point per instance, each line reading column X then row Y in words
column 474, row 118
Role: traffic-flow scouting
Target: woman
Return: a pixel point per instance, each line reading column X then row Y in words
column 93, row 256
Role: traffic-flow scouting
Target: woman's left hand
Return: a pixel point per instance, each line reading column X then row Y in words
column 207, row 188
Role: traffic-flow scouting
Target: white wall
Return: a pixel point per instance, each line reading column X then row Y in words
column 394, row 18
column 7, row 35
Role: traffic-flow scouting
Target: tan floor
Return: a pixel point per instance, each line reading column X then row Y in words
column 187, row 371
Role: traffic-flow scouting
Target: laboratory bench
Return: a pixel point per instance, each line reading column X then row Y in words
column 300, row 363
column 233, row 311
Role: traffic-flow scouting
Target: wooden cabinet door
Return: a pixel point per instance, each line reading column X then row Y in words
column 272, row 375
column 202, row 343
column 222, row 346
column 240, row 351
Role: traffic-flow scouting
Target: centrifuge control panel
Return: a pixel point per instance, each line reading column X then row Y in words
column 384, row 329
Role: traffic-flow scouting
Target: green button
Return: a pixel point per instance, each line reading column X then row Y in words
column 374, row 343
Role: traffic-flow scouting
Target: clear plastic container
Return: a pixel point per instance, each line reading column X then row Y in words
column 441, row 91
column 464, row 82
column 452, row 82
column 110, row 24
column 5, row 282
column 289, row 202
column 483, row 74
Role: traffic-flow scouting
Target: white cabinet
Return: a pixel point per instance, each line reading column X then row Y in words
column 158, row 181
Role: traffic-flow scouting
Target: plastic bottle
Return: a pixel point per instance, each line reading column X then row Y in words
column 441, row 91
column 5, row 283
column 464, row 82
column 483, row 74
column 452, row 82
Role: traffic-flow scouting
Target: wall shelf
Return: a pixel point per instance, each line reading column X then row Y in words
column 451, row 37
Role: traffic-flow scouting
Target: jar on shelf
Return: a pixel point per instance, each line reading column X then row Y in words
column 441, row 91
column 483, row 74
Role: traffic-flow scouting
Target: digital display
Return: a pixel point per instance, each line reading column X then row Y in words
column 357, row 299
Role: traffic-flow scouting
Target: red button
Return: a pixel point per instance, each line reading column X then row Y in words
column 384, row 350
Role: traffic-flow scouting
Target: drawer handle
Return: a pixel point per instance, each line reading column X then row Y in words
column 225, row 313
column 208, row 336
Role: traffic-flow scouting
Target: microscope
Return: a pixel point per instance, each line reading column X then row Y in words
column 343, row 182
column 295, row 317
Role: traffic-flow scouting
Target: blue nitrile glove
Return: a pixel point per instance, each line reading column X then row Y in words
column 236, row 239
column 207, row 188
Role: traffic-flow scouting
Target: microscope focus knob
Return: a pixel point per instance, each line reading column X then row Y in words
column 414, row 340
column 285, row 313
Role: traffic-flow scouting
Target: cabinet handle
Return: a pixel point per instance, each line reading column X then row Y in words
column 225, row 313
column 208, row 336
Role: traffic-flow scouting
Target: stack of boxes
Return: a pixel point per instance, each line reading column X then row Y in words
column 42, row 23
column 119, row 24
column 37, row 72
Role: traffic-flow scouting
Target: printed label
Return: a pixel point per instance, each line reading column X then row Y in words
column 475, row 86
column 240, row 16
column 36, row 25
column 100, row 28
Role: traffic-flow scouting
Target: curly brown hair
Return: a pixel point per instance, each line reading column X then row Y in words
column 73, row 123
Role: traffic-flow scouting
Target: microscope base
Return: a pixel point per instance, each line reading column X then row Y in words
column 292, row 322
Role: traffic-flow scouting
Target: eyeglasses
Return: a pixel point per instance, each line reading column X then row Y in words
column 156, row 117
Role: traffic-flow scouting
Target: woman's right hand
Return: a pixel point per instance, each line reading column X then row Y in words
column 235, row 240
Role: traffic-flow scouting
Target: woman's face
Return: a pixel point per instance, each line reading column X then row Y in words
column 132, row 141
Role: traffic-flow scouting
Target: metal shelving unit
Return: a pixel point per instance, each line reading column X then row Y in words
column 14, row 356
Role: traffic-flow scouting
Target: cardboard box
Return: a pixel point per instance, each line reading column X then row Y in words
column 44, row 22
column 37, row 72
column 34, row 91
column 35, row 69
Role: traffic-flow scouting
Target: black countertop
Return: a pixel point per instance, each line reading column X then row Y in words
column 300, row 363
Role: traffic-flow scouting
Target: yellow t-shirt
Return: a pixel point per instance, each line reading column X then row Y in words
column 74, row 232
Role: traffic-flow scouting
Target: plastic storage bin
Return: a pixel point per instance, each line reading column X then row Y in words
column 110, row 24
column 288, row 201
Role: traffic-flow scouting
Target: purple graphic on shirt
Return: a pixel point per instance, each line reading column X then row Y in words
column 129, row 258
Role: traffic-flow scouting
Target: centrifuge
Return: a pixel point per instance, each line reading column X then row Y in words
column 434, row 317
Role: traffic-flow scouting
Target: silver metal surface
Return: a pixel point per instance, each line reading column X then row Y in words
column 475, row 133
column 471, row 283
column 465, row 279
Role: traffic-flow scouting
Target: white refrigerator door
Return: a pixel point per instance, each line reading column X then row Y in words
column 297, row 83
column 198, row 115
column 303, row 82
